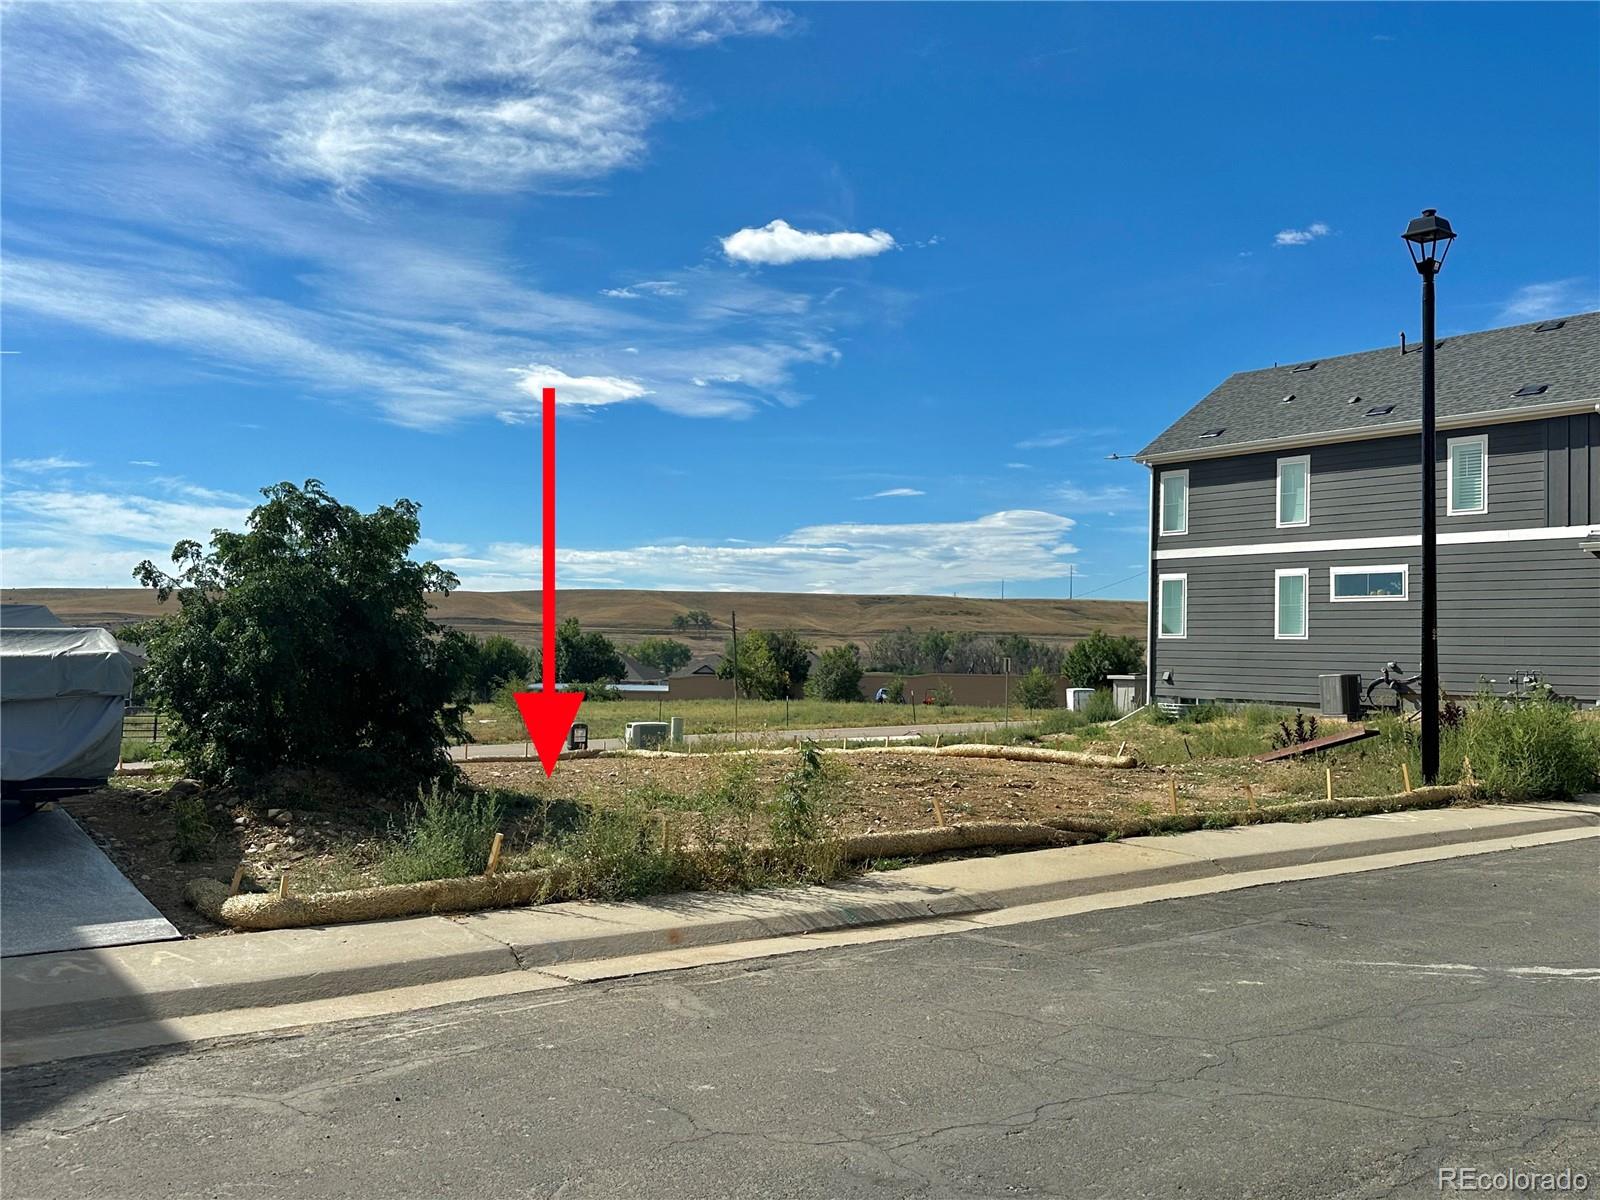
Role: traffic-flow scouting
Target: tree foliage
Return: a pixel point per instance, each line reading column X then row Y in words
column 306, row 642
column 496, row 662
column 910, row 653
column 1036, row 689
column 696, row 619
column 585, row 657
column 838, row 675
column 664, row 654
column 772, row 664
column 1092, row 659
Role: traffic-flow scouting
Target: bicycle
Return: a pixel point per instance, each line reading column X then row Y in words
column 1394, row 689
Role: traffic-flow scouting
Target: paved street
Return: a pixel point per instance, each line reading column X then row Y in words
column 484, row 750
column 1338, row 1037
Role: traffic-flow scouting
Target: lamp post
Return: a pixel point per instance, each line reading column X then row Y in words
column 1428, row 237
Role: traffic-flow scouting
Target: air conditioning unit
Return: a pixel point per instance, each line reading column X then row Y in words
column 642, row 735
column 1078, row 697
column 1341, row 695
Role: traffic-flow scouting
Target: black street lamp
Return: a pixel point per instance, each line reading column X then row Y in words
column 1428, row 237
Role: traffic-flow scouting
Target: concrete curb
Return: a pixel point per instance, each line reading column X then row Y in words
column 52, row 994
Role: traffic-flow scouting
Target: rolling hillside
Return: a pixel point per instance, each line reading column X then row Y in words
column 627, row 614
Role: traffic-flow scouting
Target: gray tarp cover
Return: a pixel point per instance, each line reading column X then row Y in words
column 62, row 692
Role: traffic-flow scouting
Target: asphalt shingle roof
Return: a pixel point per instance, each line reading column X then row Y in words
column 1478, row 373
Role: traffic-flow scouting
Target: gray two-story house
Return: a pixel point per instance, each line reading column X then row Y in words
column 1285, row 517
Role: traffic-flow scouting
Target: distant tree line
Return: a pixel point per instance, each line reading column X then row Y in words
column 908, row 653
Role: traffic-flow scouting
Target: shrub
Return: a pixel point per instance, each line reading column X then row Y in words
column 838, row 675
column 306, row 642
column 1298, row 734
column 1100, row 708
column 805, row 817
column 134, row 750
column 618, row 852
column 1036, row 689
column 943, row 695
column 664, row 654
column 1061, row 720
column 1092, row 659
column 897, row 690
column 1534, row 750
column 447, row 836
column 497, row 661
column 191, row 824
column 771, row 663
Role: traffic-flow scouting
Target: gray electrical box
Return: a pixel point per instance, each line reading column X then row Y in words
column 642, row 735
column 1341, row 695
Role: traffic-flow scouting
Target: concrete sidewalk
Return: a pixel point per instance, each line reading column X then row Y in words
column 56, row 998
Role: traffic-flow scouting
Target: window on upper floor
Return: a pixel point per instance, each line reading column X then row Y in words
column 1173, row 607
column 1294, row 491
column 1467, row 480
column 1174, row 502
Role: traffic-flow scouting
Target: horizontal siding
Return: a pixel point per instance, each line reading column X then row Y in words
column 1369, row 488
column 1503, row 608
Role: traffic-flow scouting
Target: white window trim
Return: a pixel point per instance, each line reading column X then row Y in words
column 1277, row 499
column 1161, row 504
column 1450, row 475
column 1277, row 604
column 1161, row 598
column 1401, row 569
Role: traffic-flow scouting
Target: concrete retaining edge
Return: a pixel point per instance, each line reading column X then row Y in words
column 52, row 994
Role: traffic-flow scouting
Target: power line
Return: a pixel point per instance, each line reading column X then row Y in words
column 1107, row 587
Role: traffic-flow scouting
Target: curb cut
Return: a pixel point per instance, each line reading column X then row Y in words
column 49, row 995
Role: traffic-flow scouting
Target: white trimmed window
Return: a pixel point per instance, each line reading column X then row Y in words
column 1347, row 584
column 1467, row 480
column 1174, row 502
column 1173, row 607
column 1294, row 491
column 1292, row 589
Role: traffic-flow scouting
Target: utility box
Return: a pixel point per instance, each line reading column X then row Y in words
column 578, row 736
column 676, row 725
column 1341, row 695
column 1078, row 697
column 1127, row 691
column 643, row 735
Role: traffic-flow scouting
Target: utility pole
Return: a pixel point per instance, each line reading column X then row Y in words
column 735, row 617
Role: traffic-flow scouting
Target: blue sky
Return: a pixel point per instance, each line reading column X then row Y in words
column 246, row 244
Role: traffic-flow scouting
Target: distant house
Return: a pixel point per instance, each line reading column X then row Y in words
column 640, row 672
column 705, row 664
column 1285, row 516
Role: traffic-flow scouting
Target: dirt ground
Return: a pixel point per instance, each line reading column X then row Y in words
column 316, row 837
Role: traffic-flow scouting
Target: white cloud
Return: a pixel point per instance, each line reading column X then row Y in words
column 583, row 391
column 1048, row 439
column 1557, row 298
column 39, row 465
column 881, row 558
column 1018, row 467
column 1301, row 237
column 142, row 462
column 778, row 242
column 649, row 287
column 899, row 491
column 487, row 97
column 1106, row 498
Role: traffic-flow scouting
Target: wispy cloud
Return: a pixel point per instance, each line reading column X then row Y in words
column 1015, row 466
column 648, row 287
column 899, row 491
column 473, row 97
column 778, row 242
column 1105, row 498
column 584, row 391
column 94, row 538
column 1301, row 237
column 887, row 558
column 1556, row 298
column 54, row 462
column 142, row 462
column 1048, row 439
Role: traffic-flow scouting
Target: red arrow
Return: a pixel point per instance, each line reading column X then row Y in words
column 547, row 713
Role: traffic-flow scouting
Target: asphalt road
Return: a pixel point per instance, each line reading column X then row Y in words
column 1339, row 1037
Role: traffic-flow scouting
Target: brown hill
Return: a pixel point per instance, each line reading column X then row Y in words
column 627, row 615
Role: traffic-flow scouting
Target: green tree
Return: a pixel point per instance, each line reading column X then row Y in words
column 838, row 675
column 497, row 661
column 1036, row 689
column 1099, row 655
column 664, row 654
column 584, row 657
column 697, row 619
column 771, row 663
column 305, row 642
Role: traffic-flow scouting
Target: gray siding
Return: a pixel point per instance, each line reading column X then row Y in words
column 1503, row 607
column 1369, row 489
